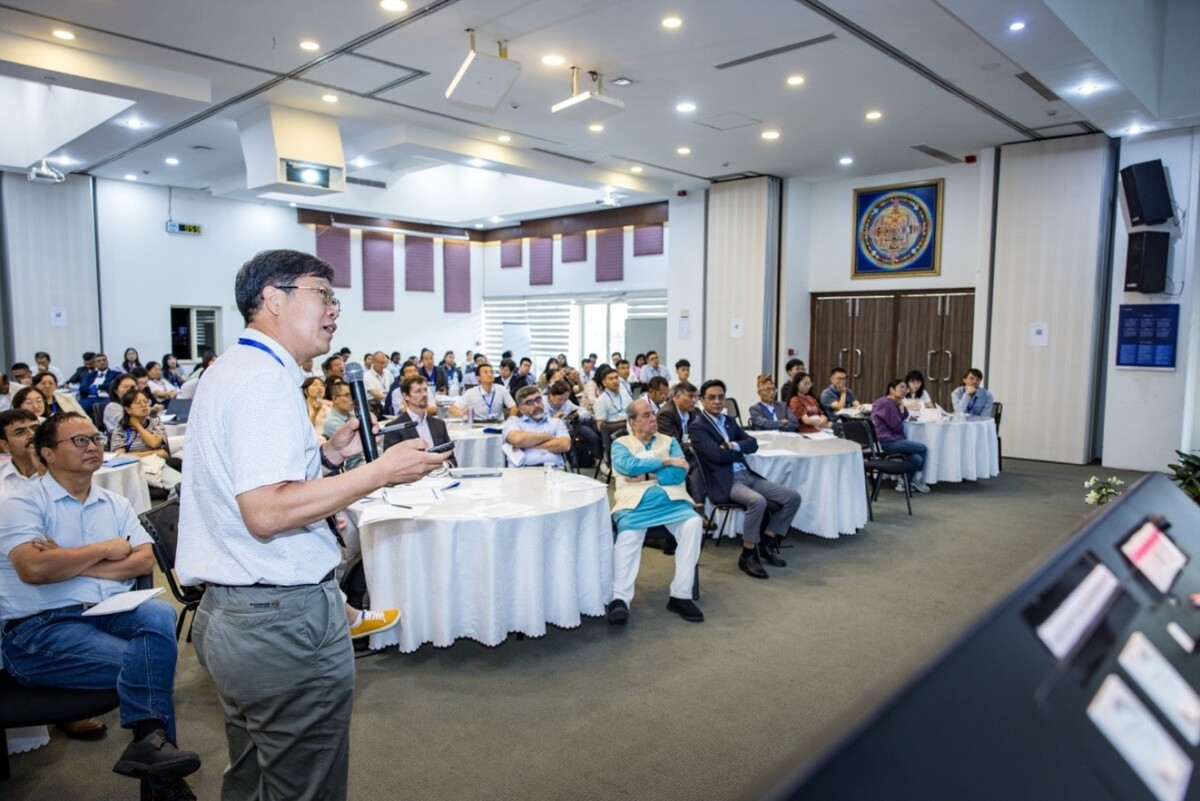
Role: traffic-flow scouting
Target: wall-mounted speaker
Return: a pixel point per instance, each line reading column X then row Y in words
column 1146, row 193
column 1146, row 261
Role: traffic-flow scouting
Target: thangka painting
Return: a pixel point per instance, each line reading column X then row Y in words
column 898, row 230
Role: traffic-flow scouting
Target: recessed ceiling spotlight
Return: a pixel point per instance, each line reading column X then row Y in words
column 503, row 138
column 635, row 169
column 874, row 115
column 292, row 204
column 845, row 160
column 310, row 45
column 360, row 162
column 795, row 80
column 1017, row 26
column 66, row 36
column 130, row 177
column 478, row 225
column 621, row 81
column 134, row 122
column 477, row 162
column 329, row 97
column 770, row 134
column 63, row 161
column 595, row 127
column 553, row 60
column 495, row 219
column 171, row 160
column 1134, row 130
column 671, row 22
column 683, row 151
column 686, row 107
column 393, row 5
column 1088, row 88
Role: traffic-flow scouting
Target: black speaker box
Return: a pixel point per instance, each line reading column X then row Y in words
column 1146, row 261
column 1146, row 193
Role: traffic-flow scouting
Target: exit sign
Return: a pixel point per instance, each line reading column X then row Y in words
column 192, row 229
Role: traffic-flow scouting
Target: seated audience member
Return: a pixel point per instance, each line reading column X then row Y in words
column 887, row 415
column 395, row 362
column 132, row 360
column 42, row 360
column 610, row 404
column 142, row 376
column 315, row 404
column 676, row 419
column 140, row 433
column 162, row 389
column 916, row 397
column 769, row 414
column 207, row 357
column 683, row 372
column 376, row 378
column 624, row 371
column 333, row 367
column 593, row 388
column 559, row 404
column 453, row 373
column 587, row 369
column 654, row 368
column 414, row 390
column 114, row 410
column 616, row 357
column 97, row 383
column 172, row 373
column 434, row 376
column 341, row 407
column 804, row 407
column 511, row 376
column 792, row 367
column 471, row 370
column 971, row 398
column 649, row 470
column 68, row 545
column 21, row 374
column 635, row 370
column 17, row 430
column 56, row 401
column 658, row 390
column 486, row 402
column 531, row 437
column 89, row 363
column 552, row 373
column 721, row 446
column 6, row 397
column 32, row 400
column 836, row 397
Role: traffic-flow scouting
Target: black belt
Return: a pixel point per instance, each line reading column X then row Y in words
column 264, row 584
column 9, row 625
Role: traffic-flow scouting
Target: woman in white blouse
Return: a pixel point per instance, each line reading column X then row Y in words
column 917, row 396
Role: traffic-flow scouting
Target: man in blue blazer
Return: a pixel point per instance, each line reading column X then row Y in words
column 96, row 382
column 722, row 445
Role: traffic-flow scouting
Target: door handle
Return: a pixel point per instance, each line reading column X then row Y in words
column 858, row 370
column 949, row 365
column 929, row 362
column 841, row 359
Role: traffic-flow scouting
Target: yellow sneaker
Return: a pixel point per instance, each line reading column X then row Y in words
column 374, row 622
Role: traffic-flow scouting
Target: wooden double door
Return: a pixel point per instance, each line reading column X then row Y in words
column 880, row 336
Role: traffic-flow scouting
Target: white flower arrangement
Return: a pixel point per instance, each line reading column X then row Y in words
column 1102, row 490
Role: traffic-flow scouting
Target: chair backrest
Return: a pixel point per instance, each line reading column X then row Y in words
column 732, row 409
column 162, row 524
column 997, row 413
column 610, row 431
column 97, row 412
column 860, row 430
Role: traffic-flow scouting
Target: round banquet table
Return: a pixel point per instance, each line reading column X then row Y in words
column 127, row 481
column 474, row 448
column 474, row 566
column 960, row 448
column 176, row 436
column 828, row 474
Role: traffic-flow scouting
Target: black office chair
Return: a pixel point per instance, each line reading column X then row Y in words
column 609, row 432
column 162, row 524
column 997, row 413
column 728, row 507
column 97, row 414
column 876, row 463
column 733, row 410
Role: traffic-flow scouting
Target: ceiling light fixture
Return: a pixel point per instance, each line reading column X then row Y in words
column 478, row 225
column 130, row 177
column 329, row 97
column 874, row 115
column 171, row 160
column 504, row 138
column 495, row 219
column 589, row 104
column 1088, row 88
column 845, row 160
column 361, row 162
column 671, row 22
column 553, row 60
column 393, row 5
column 683, row 151
column 1134, row 130
column 477, row 162
column 1017, row 26
column 310, row 45
column 63, row 161
column 292, row 204
column 770, row 135
column 134, row 122
column 795, row 80
column 635, row 169
column 595, row 127
column 622, row 81
column 66, row 36
column 686, row 107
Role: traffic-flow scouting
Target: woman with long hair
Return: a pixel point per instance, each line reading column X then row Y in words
column 916, row 396
column 804, row 406
column 131, row 360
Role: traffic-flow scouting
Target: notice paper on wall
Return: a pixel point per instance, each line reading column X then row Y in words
column 1153, row 553
column 1141, row 739
column 1077, row 615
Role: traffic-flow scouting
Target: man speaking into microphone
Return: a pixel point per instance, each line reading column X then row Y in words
column 271, row 631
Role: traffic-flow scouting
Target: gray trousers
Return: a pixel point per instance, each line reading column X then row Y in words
column 756, row 493
column 284, row 668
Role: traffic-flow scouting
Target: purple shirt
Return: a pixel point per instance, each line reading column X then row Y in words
column 888, row 420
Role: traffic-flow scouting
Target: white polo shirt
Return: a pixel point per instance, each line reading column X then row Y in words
column 486, row 405
column 248, row 428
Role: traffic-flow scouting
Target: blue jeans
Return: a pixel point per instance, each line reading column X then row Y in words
column 914, row 452
column 133, row 651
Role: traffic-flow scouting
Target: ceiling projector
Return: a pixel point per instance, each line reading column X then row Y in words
column 588, row 105
column 45, row 174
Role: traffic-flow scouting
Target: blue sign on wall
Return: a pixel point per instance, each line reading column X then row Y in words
column 1147, row 335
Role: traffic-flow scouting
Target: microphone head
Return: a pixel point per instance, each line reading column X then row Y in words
column 353, row 373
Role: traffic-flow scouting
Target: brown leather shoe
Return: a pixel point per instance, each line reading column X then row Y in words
column 89, row 729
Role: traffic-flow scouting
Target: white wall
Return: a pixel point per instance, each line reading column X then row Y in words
column 685, row 282
column 795, row 310
column 146, row 271
column 642, row 273
column 1150, row 413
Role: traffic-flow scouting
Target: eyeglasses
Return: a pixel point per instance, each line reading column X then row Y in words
column 326, row 294
column 714, row 397
column 532, row 401
column 83, row 440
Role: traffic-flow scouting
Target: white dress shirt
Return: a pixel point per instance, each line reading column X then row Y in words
column 11, row 480
column 486, row 405
column 376, row 382
column 530, row 457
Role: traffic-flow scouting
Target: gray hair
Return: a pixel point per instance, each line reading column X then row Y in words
column 682, row 388
column 631, row 410
column 525, row 392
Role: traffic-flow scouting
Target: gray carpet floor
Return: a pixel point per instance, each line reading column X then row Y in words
column 660, row 708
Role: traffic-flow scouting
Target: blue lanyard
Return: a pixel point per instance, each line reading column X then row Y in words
column 129, row 435
column 254, row 343
column 770, row 409
column 490, row 400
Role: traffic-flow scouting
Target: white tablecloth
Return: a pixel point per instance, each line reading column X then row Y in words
column 473, row 448
column 467, row 574
column 828, row 474
column 960, row 448
column 128, row 481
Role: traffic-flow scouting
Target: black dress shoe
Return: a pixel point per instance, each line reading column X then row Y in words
column 751, row 566
column 618, row 613
column 177, row 790
column 768, row 555
column 685, row 609
column 157, row 757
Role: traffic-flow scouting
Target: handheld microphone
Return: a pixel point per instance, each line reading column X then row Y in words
column 358, row 393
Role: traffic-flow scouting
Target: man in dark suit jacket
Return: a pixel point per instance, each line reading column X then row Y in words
column 512, row 378
column 414, row 390
column 721, row 446
column 95, row 384
column 435, row 375
column 676, row 418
